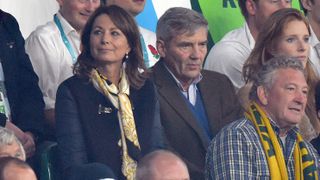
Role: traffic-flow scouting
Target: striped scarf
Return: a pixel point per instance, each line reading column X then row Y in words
column 304, row 167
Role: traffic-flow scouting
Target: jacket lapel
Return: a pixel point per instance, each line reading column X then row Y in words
column 169, row 91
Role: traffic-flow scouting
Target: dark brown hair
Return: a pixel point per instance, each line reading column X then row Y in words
column 126, row 23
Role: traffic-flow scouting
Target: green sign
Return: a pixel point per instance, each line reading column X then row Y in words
column 224, row 15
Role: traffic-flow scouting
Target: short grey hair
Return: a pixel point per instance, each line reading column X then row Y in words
column 267, row 73
column 7, row 137
column 177, row 21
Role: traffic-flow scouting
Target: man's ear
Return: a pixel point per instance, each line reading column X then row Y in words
column 60, row 2
column 306, row 4
column 262, row 95
column 251, row 7
column 161, row 48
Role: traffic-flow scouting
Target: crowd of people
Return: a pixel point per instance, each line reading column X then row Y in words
column 123, row 102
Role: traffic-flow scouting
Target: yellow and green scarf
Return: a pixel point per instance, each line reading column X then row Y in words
column 305, row 167
column 119, row 98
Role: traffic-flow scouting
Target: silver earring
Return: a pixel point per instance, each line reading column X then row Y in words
column 127, row 55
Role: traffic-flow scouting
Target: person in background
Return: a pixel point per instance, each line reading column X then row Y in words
column 266, row 144
column 147, row 37
column 21, row 102
column 316, row 142
column 194, row 103
column 15, row 169
column 311, row 9
column 162, row 164
column 10, row 145
column 109, row 96
column 229, row 54
column 53, row 49
column 286, row 33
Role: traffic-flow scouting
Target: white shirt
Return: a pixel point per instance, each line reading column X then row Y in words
column 50, row 58
column 313, row 55
column 150, row 40
column 191, row 92
column 229, row 54
column 4, row 102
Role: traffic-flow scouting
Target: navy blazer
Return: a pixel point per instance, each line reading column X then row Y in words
column 21, row 82
column 86, row 136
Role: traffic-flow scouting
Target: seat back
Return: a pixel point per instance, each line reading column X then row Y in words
column 48, row 161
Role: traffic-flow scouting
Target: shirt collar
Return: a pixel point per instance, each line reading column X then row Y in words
column 250, row 39
column 313, row 38
column 67, row 28
column 276, row 128
column 194, row 82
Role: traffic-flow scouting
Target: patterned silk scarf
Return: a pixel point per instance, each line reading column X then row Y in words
column 119, row 98
column 304, row 167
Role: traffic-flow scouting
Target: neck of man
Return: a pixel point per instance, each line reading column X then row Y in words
column 253, row 27
column 186, row 84
column 315, row 26
column 78, row 30
column 283, row 130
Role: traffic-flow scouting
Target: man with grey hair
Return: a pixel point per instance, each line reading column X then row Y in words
column 266, row 144
column 161, row 164
column 10, row 145
column 194, row 103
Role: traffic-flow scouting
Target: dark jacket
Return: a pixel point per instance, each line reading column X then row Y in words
column 85, row 136
column 182, row 131
column 21, row 82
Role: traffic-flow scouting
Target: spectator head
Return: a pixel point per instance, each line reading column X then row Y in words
column 182, row 42
column 162, row 165
column 256, row 12
column 283, row 26
column 15, row 169
column 134, row 7
column 266, row 8
column 311, row 9
column 280, row 87
column 10, row 145
column 77, row 12
column 123, row 22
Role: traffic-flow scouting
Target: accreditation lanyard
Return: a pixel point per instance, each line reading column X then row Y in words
column 65, row 39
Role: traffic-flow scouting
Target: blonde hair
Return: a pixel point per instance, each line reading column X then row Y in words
column 7, row 137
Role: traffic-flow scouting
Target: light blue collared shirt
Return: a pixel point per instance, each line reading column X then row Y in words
column 191, row 92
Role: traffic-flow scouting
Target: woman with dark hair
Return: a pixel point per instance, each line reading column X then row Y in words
column 285, row 33
column 108, row 112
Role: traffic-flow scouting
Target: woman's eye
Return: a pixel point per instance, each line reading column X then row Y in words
column 115, row 33
column 97, row 32
column 290, row 40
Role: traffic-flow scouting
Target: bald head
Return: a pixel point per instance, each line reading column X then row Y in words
column 15, row 169
column 162, row 165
